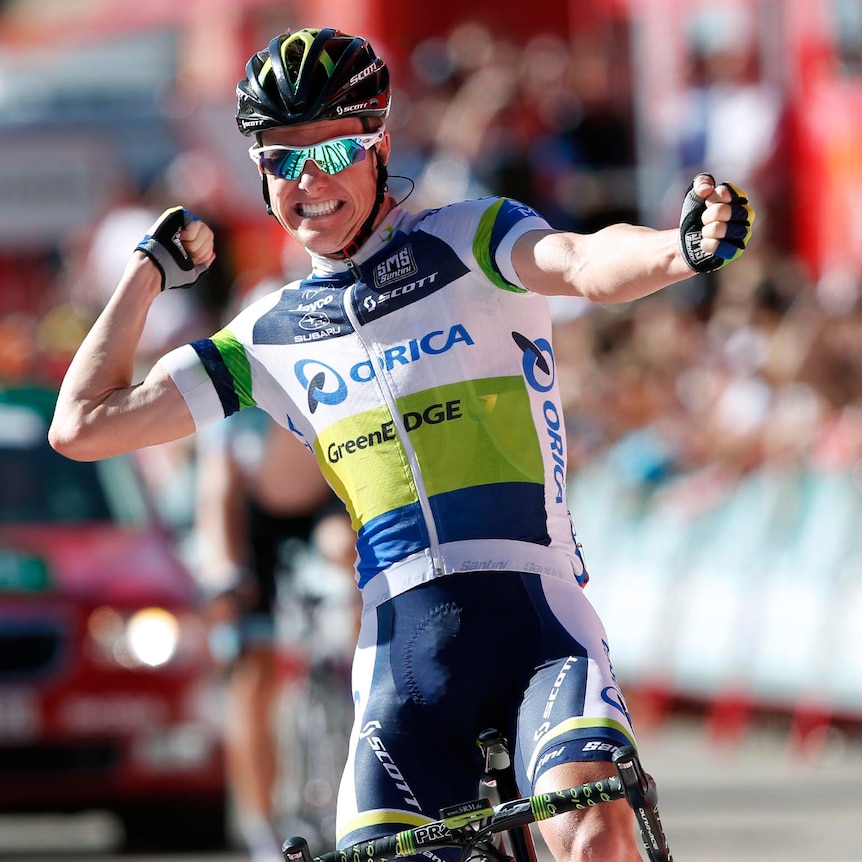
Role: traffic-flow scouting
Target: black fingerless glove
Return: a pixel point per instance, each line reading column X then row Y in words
column 163, row 246
column 691, row 230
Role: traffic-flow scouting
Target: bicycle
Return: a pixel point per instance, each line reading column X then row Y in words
column 315, row 710
column 472, row 826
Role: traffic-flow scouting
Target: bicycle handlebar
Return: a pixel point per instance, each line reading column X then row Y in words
column 472, row 822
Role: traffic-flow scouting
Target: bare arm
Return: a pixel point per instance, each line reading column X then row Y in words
column 618, row 263
column 100, row 412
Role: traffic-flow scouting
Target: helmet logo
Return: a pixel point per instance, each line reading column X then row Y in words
column 352, row 109
column 368, row 70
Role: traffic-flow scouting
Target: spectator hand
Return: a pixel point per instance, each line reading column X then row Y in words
column 180, row 245
column 715, row 225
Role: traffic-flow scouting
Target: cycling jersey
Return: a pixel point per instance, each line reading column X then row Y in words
column 426, row 387
column 443, row 437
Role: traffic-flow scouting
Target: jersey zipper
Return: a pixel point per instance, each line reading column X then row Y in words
column 386, row 390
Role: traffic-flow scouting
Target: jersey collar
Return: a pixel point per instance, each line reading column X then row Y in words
column 324, row 266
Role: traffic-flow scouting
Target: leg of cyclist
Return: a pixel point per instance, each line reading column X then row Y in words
column 251, row 747
column 572, row 718
column 443, row 661
column 429, row 676
column 603, row 832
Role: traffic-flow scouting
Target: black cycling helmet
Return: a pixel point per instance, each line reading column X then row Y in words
column 310, row 75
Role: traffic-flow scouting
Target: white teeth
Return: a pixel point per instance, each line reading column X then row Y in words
column 308, row 210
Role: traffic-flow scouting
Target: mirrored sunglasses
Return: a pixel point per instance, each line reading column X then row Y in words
column 331, row 156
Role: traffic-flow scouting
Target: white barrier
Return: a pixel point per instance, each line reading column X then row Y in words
column 759, row 594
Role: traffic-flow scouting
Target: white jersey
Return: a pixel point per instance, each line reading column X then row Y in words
column 426, row 390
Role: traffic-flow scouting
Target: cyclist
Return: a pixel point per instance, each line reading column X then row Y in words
column 416, row 362
column 249, row 529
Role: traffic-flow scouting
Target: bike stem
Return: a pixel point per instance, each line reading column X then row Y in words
column 498, row 768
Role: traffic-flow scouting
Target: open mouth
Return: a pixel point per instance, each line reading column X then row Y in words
column 313, row 210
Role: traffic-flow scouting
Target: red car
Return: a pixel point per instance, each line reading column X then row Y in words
column 107, row 695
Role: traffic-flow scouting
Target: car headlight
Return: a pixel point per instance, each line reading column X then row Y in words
column 153, row 635
column 145, row 638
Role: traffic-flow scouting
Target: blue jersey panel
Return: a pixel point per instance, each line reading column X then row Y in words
column 388, row 539
column 507, row 510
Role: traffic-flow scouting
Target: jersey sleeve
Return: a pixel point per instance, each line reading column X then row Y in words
column 516, row 220
column 501, row 225
column 213, row 376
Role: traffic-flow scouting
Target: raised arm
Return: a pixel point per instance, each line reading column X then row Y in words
column 100, row 411
column 624, row 262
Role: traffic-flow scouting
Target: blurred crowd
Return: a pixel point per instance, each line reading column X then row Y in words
column 679, row 396
column 759, row 364
column 548, row 122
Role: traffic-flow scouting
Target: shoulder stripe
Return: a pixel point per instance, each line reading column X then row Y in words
column 225, row 362
column 216, row 369
column 235, row 358
column 485, row 244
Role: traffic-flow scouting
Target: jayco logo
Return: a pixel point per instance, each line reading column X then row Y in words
column 540, row 373
column 315, row 322
column 316, row 304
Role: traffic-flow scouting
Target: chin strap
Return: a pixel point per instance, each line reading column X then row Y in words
column 265, row 188
column 368, row 225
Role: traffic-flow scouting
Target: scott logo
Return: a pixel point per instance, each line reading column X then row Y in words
column 352, row 109
column 378, row 747
column 368, row 70
column 384, row 296
column 369, row 728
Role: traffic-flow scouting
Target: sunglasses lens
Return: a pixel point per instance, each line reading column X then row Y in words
column 332, row 157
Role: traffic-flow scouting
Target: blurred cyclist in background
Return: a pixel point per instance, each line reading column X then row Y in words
column 249, row 534
column 416, row 361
